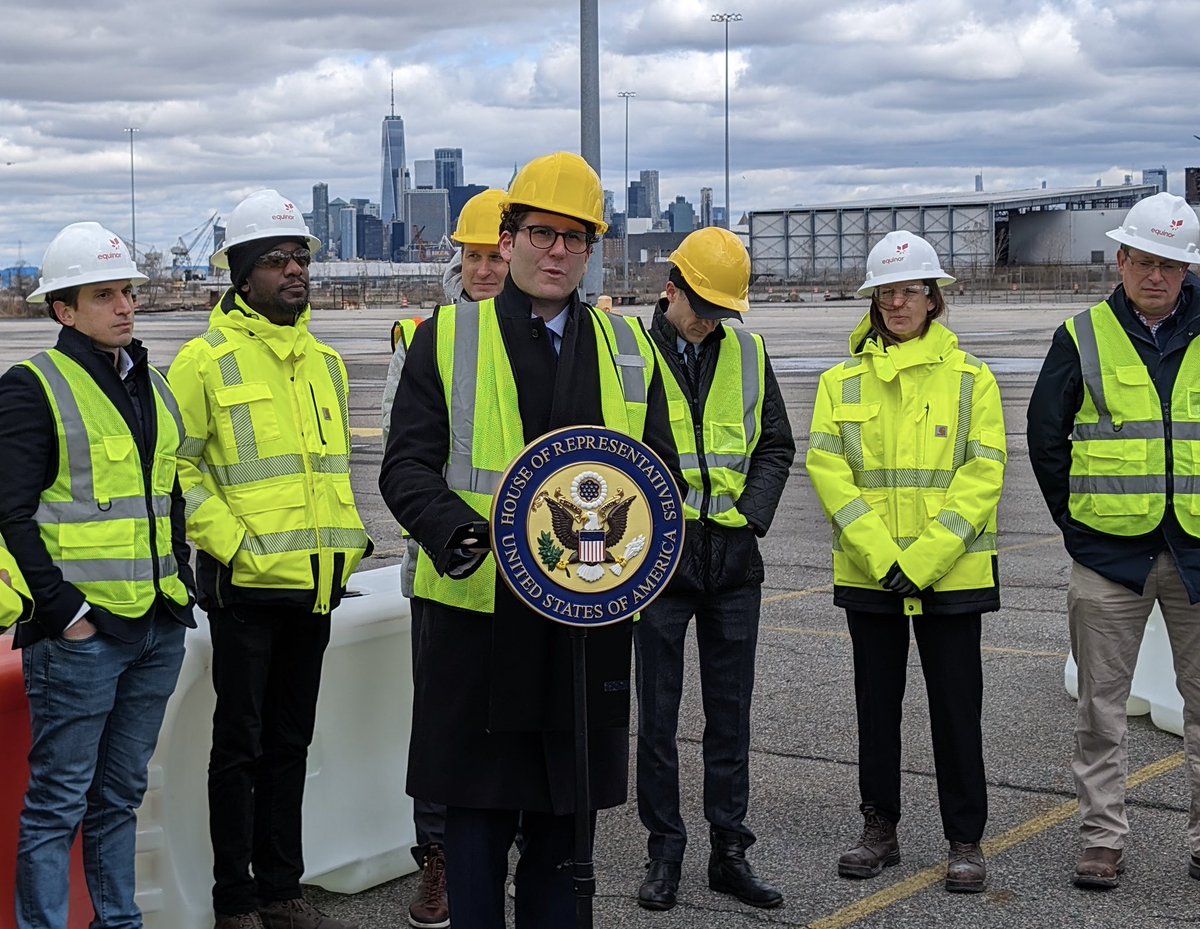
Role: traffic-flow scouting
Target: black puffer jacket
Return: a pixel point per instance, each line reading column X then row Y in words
column 717, row 557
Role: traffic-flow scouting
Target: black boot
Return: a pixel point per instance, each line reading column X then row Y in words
column 877, row 849
column 660, row 886
column 730, row 873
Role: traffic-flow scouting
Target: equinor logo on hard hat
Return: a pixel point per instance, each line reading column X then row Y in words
column 900, row 254
column 1168, row 234
column 115, row 242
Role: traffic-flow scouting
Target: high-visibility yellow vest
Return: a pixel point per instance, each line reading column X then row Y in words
column 907, row 454
column 103, row 527
column 12, row 606
column 1119, row 480
column 265, row 463
column 403, row 331
column 731, row 424
column 479, row 386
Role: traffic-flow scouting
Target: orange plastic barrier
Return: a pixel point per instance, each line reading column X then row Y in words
column 14, row 778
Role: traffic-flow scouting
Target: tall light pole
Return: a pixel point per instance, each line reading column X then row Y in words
column 727, row 18
column 627, row 94
column 132, row 206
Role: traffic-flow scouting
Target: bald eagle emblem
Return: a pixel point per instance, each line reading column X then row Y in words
column 587, row 526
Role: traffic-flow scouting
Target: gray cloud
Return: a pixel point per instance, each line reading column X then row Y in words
column 828, row 100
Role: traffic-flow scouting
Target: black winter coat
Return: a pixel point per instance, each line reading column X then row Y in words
column 492, row 723
column 29, row 464
column 717, row 557
column 1056, row 399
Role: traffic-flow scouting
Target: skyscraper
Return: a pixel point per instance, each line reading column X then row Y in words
column 706, row 212
column 395, row 166
column 649, row 181
column 424, row 174
column 1155, row 176
column 1191, row 185
column 320, row 214
column 449, row 167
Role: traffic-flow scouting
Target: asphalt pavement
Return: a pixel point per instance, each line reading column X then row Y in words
column 803, row 798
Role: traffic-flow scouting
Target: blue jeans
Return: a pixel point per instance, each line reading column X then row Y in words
column 726, row 637
column 95, row 707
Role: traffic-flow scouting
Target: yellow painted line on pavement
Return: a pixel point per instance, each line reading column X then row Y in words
column 366, row 432
column 923, row 880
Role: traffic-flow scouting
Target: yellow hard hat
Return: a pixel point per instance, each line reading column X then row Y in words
column 561, row 183
column 716, row 265
column 479, row 221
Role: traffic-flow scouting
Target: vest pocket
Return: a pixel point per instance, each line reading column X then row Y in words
column 726, row 438
column 99, row 553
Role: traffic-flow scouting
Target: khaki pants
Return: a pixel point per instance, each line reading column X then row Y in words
column 1107, row 621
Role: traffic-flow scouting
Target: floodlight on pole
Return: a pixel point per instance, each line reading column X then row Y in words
column 727, row 18
column 627, row 94
column 132, row 200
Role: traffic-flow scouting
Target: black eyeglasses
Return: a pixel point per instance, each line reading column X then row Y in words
column 544, row 237
column 279, row 259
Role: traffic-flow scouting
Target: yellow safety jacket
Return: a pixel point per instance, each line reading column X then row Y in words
column 731, row 424
column 479, row 386
column 907, row 454
column 265, row 463
column 1119, row 480
column 105, row 529
column 15, row 601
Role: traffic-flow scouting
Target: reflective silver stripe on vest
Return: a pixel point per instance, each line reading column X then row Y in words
column 107, row 570
column 751, row 390
column 84, row 507
column 852, row 432
column 459, row 472
column 966, row 392
column 168, row 399
column 628, row 358
column 1089, row 363
column 1101, row 431
column 265, row 469
column 854, row 510
column 1118, row 484
column 825, row 442
column 730, row 462
column 887, row 478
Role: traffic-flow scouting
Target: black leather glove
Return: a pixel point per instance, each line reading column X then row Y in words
column 899, row 583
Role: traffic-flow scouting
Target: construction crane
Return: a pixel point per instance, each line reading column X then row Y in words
column 182, row 265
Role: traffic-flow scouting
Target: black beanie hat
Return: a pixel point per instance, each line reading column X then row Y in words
column 242, row 257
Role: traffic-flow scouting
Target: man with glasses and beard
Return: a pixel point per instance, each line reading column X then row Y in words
column 1113, row 424
column 492, row 723
column 265, row 469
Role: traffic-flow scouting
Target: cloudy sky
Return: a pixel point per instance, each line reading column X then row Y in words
column 829, row 100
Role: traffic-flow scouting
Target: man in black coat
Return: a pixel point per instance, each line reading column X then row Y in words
column 735, row 447
column 492, row 722
column 1112, row 425
column 94, row 517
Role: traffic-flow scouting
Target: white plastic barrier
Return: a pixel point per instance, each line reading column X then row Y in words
column 358, row 821
column 1153, row 689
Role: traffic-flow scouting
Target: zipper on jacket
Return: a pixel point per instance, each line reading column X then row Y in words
column 317, row 413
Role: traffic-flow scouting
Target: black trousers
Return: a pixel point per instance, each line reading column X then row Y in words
column 953, row 669
column 266, row 672
column 477, row 844
column 726, row 637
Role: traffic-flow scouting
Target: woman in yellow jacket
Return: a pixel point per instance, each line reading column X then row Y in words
column 907, row 456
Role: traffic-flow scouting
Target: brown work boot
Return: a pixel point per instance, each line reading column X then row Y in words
column 966, row 872
column 297, row 914
column 877, row 849
column 238, row 921
column 1099, row 868
column 429, row 909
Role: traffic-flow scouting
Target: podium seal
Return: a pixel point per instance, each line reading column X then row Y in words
column 586, row 526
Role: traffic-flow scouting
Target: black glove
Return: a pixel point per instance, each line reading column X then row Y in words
column 899, row 583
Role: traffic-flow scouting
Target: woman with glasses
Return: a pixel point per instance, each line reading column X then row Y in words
column 907, row 455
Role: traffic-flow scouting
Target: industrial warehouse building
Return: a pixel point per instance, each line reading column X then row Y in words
column 971, row 232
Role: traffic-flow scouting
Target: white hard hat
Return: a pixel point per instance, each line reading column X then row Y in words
column 1162, row 225
column 84, row 253
column 902, row 256
column 265, row 214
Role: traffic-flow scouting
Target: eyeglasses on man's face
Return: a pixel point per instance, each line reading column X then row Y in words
column 1147, row 266
column 279, row 259
column 888, row 295
column 544, row 237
